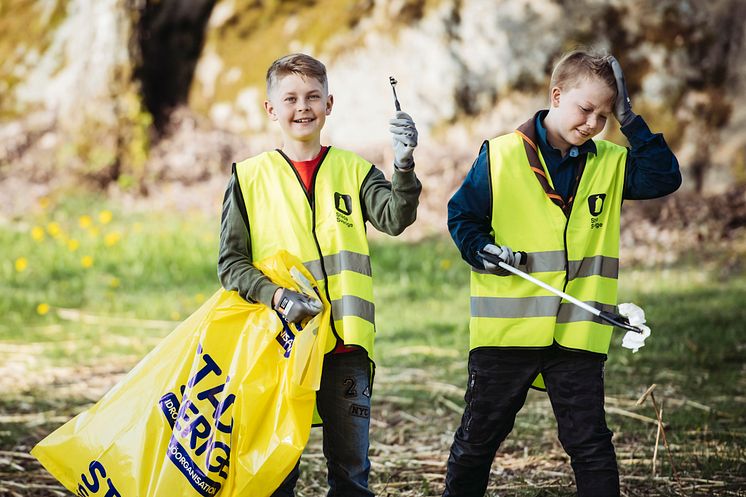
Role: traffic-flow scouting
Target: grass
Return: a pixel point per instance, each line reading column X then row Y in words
column 158, row 267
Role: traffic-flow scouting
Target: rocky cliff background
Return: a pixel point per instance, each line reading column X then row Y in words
column 153, row 99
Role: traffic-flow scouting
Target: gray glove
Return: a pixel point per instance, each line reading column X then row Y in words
column 296, row 307
column 506, row 254
column 404, row 137
column 623, row 105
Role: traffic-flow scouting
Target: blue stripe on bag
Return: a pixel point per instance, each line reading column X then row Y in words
column 201, row 483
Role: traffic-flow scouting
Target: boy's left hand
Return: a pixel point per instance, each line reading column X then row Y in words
column 623, row 105
column 404, row 137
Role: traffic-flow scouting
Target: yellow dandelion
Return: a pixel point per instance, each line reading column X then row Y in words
column 54, row 230
column 44, row 202
column 104, row 217
column 112, row 238
column 175, row 316
column 445, row 263
column 42, row 309
column 73, row 245
column 85, row 221
column 86, row 261
column 199, row 298
column 115, row 282
column 21, row 264
column 37, row 233
column 93, row 232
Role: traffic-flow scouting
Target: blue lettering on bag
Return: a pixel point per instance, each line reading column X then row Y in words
column 196, row 421
column 170, row 406
column 94, row 485
column 285, row 338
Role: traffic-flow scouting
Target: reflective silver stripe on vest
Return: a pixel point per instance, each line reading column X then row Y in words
column 570, row 313
column 341, row 261
column 506, row 307
column 350, row 305
column 542, row 262
column 607, row 267
column 539, row 262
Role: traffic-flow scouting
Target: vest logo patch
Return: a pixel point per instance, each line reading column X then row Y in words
column 596, row 203
column 343, row 203
column 596, row 206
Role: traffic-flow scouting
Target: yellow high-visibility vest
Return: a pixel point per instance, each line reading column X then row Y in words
column 577, row 253
column 324, row 228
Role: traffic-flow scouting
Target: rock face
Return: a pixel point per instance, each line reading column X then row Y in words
column 74, row 109
column 89, row 88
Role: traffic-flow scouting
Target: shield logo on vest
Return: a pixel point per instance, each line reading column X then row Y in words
column 596, row 203
column 343, row 203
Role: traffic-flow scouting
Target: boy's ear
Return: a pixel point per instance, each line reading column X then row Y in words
column 270, row 110
column 329, row 104
column 554, row 96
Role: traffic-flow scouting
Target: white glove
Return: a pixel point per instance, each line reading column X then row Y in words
column 506, row 254
column 636, row 317
column 404, row 137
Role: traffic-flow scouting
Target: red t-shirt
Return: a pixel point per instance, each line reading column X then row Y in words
column 306, row 169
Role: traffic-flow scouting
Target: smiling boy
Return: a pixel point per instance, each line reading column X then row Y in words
column 314, row 201
column 553, row 192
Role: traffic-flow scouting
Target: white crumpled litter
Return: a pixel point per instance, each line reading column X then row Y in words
column 636, row 316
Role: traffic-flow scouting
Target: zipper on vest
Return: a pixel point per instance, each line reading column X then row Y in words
column 573, row 194
column 567, row 256
column 311, row 197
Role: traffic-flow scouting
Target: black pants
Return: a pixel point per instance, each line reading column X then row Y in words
column 499, row 380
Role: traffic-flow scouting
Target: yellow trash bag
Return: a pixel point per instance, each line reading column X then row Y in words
column 222, row 406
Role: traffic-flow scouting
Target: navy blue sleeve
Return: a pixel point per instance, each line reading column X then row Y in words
column 470, row 211
column 652, row 170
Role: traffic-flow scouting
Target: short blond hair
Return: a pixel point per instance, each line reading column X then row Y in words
column 296, row 63
column 579, row 65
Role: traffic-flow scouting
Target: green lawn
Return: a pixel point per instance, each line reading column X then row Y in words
column 88, row 291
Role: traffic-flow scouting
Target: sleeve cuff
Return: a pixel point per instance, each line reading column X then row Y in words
column 264, row 291
column 637, row 132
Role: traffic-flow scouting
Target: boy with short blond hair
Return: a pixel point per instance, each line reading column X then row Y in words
column 553, row 192
column 314, row 201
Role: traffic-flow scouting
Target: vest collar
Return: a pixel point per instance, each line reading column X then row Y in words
column 530, row 136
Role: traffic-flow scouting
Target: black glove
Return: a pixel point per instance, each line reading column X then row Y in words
column 295, row 307
column 623, row 105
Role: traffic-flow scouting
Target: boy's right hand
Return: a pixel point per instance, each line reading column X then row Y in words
column 294, row 306
column 404, row 136
column 505, row 254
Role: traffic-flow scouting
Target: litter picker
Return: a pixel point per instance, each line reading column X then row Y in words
column 392, row 80
column 609, row 317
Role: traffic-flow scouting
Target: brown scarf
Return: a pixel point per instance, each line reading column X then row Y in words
column 527, row 132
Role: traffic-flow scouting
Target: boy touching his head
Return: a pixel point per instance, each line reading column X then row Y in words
column 313, row 200
column 551, row 191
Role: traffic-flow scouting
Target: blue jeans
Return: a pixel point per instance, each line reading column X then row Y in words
column 343, row 402
column 499, row 380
